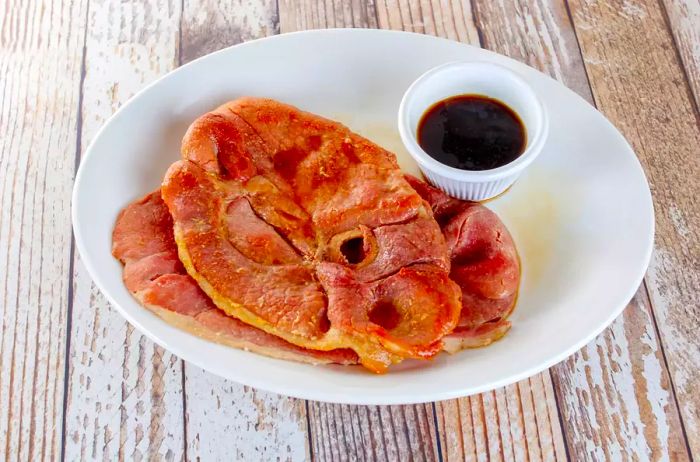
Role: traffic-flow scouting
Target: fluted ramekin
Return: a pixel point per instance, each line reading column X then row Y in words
column 480, row 78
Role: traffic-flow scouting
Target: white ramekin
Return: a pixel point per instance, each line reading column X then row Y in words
column 481, row 78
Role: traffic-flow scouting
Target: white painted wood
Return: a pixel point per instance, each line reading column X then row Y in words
column 125, row 394
column 617, row 397
column 40, row 59
column 511, row 423
column 211, row 25
column 297, row 15
column 383, row 433
column 227, row 421
column 452, row 19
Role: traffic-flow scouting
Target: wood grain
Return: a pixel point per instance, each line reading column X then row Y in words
column 684, row 21
column 344, row 432
column 40, row 62
column 225, row 419
column 297, row 15
column 450, row 19
column 517, row 422
column 536, row 32
column 638, row 82
column 124, row 397
column 616, row 394
column 209, row 25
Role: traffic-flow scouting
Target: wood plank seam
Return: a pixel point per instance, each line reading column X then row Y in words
column 522, row 417
column 480, row 34
column 72, row 253
column 184, row 397
column 309, row 439
column 107, row 353
column 477, row 22
column 437, row 432
column 557, row 391
column 580, row 52
column 352, row 14
column 179, row 44
column 555, row 383
column 267, row 426
column 537, row 426
column 373, row 5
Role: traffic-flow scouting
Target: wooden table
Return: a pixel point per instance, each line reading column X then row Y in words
column 78, row 382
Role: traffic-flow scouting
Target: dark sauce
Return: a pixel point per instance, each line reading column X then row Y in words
column 471, row 132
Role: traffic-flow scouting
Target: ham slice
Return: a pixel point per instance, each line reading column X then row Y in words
column 485, row 265
column 143, row 242
column 295, row 225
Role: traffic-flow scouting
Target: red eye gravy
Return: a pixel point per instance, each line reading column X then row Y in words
column 472, row 132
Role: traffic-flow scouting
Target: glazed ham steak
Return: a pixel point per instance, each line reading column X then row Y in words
column 285, row 233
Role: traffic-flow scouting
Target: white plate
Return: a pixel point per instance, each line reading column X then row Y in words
column 581, row 215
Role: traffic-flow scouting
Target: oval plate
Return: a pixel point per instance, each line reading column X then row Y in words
column 581, row 215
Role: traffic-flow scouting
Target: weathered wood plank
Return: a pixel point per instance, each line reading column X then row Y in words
column 209, row 26
column 536, row 32
column 450, row 19
column 684, row 19
column 540, row 33
column 124, row 395
column 638, row 82
column 303, row 15
column 348, row 433
column 225, row 420
column 40, row 65
column 518, row 422
column 616, row 396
